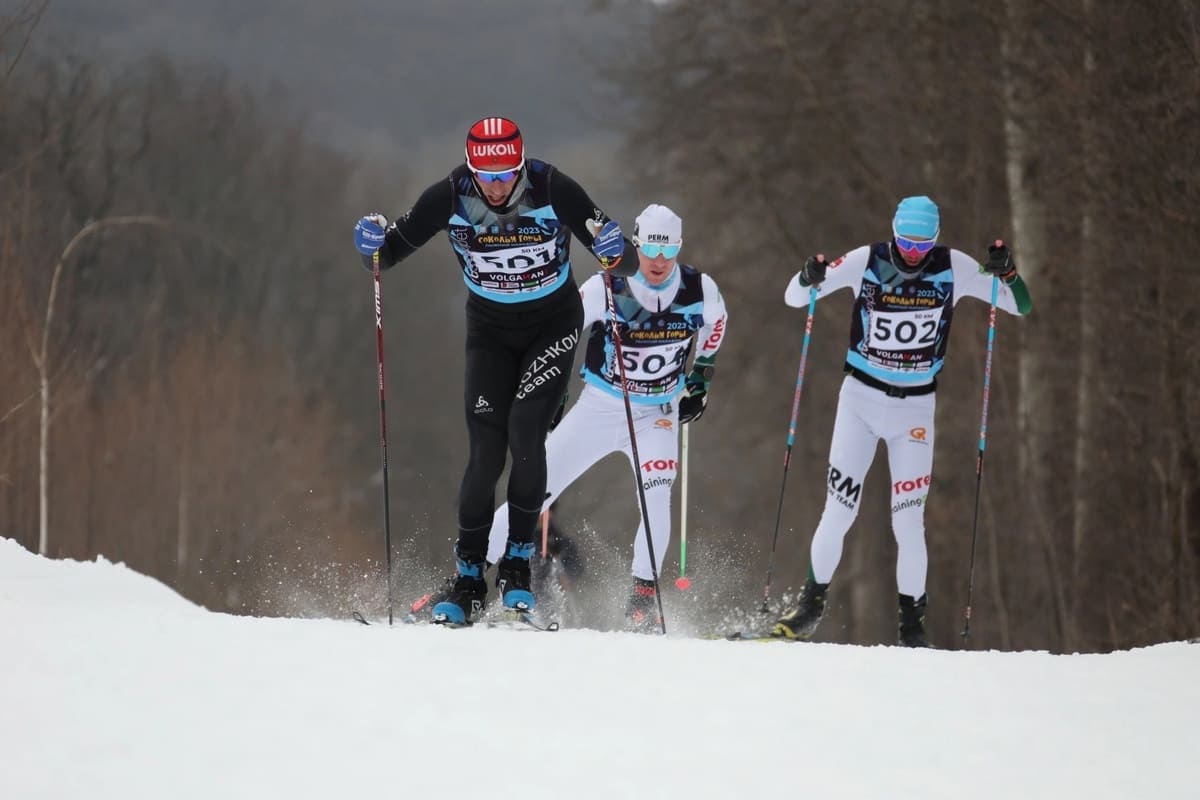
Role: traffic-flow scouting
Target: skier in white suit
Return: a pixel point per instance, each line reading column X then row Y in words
column 662, row 312
column 906, row 290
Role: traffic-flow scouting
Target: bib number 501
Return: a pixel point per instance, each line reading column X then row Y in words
column 512, row 260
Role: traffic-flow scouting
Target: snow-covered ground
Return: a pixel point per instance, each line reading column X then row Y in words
column 112, row 686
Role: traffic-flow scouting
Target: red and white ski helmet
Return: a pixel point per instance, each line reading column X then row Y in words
column 494, row 145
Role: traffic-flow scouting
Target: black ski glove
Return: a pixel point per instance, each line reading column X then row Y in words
column 1000, row 262
column 695, row 396
column 691, row 407
column 813, row 271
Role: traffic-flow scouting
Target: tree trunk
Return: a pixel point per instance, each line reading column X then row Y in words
column 1038, row 418
column 1087, row 468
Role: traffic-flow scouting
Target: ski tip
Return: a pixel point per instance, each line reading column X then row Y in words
column 516, row 619
column 745, row 636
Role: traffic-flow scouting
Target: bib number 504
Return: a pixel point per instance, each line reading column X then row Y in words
column 650, row 364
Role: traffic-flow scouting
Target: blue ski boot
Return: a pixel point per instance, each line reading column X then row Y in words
column 466, row 598
column 512, row 577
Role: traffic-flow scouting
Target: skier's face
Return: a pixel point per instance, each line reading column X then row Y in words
column 657, row 269
column 496, row 188
column 913, row 249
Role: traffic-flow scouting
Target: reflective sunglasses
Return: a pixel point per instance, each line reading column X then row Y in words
column 667, row 251
column 497, row 177
column 912, row 246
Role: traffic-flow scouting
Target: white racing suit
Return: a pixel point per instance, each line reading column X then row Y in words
column 898, row 335
column 657, row 328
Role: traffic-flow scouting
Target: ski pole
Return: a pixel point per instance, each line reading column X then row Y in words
column 791, row 439
column 987, row 380
column 637, row 461
column 682, row 582
column 387, row 510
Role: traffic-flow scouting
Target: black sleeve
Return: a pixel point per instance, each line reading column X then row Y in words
column 430, row 214
column 573, row 206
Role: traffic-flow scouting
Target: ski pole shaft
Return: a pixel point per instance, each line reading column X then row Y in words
column 387, row 510
column 545, row 532
column 683, row 502
column 987, row 381
column 791, row 439
column 637, row 461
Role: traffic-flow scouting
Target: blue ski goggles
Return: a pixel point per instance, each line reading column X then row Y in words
column 497, row 177
column 667, row 251
column 906, row 245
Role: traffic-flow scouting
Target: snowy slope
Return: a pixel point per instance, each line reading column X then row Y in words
column 111, row 686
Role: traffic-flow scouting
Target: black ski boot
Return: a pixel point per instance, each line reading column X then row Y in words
column 912, row 621
column 466, row 598
column 512, row 577
column 803, row 621
column 642, row 614
column 423, row 605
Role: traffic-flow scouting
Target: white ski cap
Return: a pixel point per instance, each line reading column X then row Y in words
column 657, row 225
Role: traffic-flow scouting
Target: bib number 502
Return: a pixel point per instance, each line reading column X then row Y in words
column 886, row 330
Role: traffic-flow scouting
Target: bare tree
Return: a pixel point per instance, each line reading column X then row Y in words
column 16, row 30
column 41, row 360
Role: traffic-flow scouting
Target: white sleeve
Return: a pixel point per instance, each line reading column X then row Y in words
column 595, row 301
column 710, row 337
column 846, row 272
column 971, row 281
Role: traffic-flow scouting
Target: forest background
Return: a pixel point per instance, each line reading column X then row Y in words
column 187, row 380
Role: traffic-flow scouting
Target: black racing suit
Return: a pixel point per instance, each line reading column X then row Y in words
column 523, row 318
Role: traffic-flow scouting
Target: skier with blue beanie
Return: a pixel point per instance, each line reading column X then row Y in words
column 906, row 290
column 917, row 217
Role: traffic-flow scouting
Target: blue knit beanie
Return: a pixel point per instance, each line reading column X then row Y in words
column 916, row 217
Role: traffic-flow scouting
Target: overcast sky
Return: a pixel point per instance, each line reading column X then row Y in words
column 380, row 73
